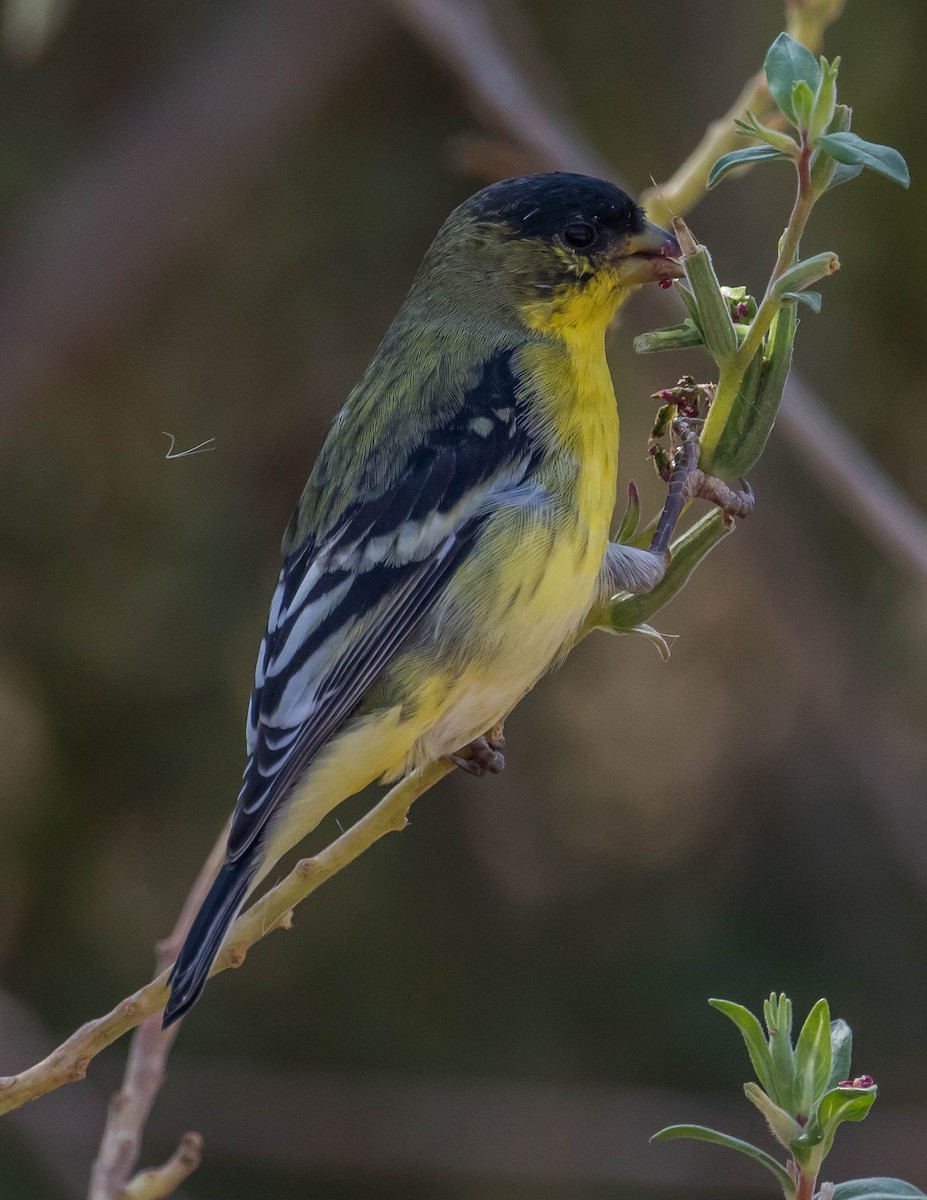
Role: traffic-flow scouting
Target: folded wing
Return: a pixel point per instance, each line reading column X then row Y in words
column 347, row 600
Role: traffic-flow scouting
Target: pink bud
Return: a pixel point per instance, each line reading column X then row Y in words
column 742, row 311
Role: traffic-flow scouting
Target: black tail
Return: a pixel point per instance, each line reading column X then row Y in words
column 217, row 912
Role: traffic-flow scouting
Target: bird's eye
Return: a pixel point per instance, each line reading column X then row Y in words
column 580, row 234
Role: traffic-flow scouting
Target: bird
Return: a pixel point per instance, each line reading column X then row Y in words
column 454, row 530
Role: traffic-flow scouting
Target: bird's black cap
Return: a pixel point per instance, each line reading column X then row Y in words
column 541, row 206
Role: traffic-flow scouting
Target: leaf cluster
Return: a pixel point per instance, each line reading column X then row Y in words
column 804, row 1092
column 804, row 89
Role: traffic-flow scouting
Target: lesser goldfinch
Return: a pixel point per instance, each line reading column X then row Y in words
column 453, row 533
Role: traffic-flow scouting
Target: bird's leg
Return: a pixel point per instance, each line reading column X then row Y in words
column 631, row 569
column 483, row 755
column 687, row 482
column 685, row 464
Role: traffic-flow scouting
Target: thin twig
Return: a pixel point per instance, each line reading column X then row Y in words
column 130, row 1107
column 462, row 35
column 69, row 1062
column 163, row 1181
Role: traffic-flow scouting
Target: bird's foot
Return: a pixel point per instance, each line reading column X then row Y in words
column 739, row 502
column 483, row 755
column 688, row 482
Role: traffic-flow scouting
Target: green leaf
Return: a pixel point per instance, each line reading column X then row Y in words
column 841, row 1046
column 788, row 61
column 849, row 148
column 844, row 173
column 845, row 1104
column 802, row 103
column 629, row 524
column 671, row 337
column 752, row 1033
column 737, row 158
column 691, row 304
column 813, row 1058
column 877, row 1188
column 700, row 1133
column 823, row 167
column 782, row 1125
column 624, row 613
column 812, row 299
column 814, row 1143
column 764, row 133
column 806, row 272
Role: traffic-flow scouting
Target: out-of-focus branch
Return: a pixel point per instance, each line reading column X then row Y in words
column 807, row 21
column 687, row 185
column 461, row 33
column 845, row 470
column 129, row 1109
column 69, row 1062
column 94, row 249
column 163, row 1181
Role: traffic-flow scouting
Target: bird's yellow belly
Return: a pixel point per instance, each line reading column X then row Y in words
column 528, row 625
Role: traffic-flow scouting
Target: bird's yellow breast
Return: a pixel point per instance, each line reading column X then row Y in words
column 540, row 563
column 575, row 395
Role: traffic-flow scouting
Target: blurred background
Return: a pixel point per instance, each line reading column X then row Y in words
column 210, row 212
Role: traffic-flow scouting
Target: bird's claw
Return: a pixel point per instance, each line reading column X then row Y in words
column 483, row 755
column 688, row 481
column 733, row 502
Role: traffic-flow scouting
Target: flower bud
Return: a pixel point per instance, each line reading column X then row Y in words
column 825, row 100
column 802, row 103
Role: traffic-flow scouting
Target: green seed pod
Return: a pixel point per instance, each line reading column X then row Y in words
column 713, row 315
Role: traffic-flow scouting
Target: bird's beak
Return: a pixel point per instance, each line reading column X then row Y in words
column 648, row 257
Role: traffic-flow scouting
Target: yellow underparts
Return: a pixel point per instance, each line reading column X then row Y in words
column 576, row 391
column 522, row 596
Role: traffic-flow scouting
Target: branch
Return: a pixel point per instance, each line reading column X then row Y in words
column 807, row 21
column 131, row 1106
column 687, row 185
column 461, row 34
column 838, row 462
column 69, row 1062
column 164, row 1181
column 94, row 248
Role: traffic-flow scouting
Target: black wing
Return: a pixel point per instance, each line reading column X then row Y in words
column 345, row 603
